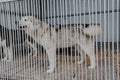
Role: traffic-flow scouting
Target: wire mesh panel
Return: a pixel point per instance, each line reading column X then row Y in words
column 59, row 39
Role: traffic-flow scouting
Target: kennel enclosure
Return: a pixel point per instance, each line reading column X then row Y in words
column 63, row 13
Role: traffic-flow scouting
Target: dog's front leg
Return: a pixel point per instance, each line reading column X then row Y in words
column 88, row 48
column 91, row 55
column 8, row 54
column 5, row 54
column 52, row 59
column 33, row 47
column 3, row 44
column 82, row 55
column 82, row 58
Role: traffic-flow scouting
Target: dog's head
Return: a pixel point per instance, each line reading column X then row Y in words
column 32, row 25
column 26, row 22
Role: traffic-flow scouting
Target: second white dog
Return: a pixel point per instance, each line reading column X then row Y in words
column 50, row 38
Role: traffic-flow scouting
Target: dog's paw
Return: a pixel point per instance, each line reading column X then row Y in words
column 30, row 54
column 9, row 59
column 80, row 62
column 50, row 70
column 4, row 59
column 34, row 55
column 48, row 67
column 91, row 67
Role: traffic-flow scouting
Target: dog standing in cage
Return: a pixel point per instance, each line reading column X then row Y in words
column 51, row 38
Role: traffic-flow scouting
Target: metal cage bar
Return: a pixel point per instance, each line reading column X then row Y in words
column 59, row 39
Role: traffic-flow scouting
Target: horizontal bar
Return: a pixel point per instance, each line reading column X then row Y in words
column 110, row 45
column 87, row 13
column 6, row 1
column 64, row 16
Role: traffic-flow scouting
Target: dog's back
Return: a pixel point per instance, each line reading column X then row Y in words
column 68, row 35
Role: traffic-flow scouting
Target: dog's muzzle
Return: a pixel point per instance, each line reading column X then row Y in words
column 22, row 27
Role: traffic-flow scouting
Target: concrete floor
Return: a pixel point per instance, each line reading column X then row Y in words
column 25, row 67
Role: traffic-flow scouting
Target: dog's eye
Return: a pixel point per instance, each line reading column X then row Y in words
column 25, row 19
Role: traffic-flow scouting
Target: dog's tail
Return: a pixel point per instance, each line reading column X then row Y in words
column 92, row 30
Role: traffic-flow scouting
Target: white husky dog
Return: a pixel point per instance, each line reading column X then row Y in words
column 51, row 38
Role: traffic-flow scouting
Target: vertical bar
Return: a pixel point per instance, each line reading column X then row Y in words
column 101, row 45
column 44, row 15
column 61, row 39
column 53, row 23
column 21, row 54
column 2, row 22
column 96, row 39
column 36, row 57
column 90, row 17
column 77, row 38
column 78, row 35
column 49, row 11
column 113, row 39
column 118, row 38
column 14, row 57
column 39, row 48
column 58, row 43
column 92, row 20
column 42, row 67
column 105, row 66
column 75, row 27
column 23, row 49
column 65, row 37
column 5, row 23
column 81, row 52
column 11, row 26
column 108, row 43
column 9, row 36
column 28, row 59
column 84, row 22
column 31, row 57
column 48, row 21
column 69, row 56
column 70, row 62
column 20, row 57
column 63, row 52
column 0, row 41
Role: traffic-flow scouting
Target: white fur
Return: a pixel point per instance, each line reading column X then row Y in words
column 52, row 39
column 93, row 30
column 7, row 52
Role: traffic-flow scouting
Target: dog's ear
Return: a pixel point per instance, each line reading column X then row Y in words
column 33, row 20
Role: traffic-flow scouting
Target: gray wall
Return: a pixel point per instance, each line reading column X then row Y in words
column 57, row 8
column 71, row 7
column 15, row 10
